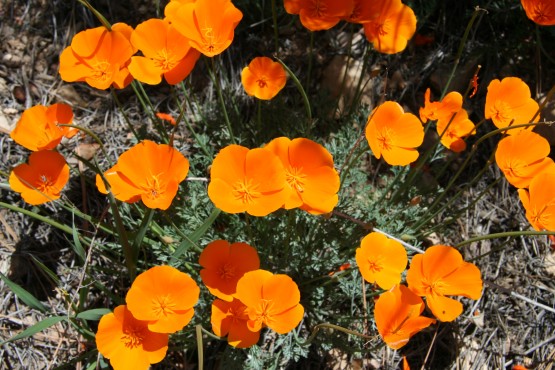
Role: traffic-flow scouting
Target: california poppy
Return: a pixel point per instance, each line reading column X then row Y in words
column 128, row 342
column 312, row 181
column 381, row 260
column 362, row 12
column 230, row 319
column 317, row 15
column 166, row 117
column 440, row 272
column 522, row 156
column 98, row 57
column 263, row 78
column 224, row 264
column 148, row 171
column 393, row 25
column 164, row 297
column 509, row 103
column 539, row 201
column 394, row 134
column 444, row 109
column 43, row 179
column 38, row 129
column 208, row 24
column 397, row 314
column 173, row 6
column 271, row 300
column 243, row 180
column 541, row 12
column 454, row 130
column 166, row 52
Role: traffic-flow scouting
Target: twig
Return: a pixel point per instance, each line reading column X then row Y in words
column 516, row 295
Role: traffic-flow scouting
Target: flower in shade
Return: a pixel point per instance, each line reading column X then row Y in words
column 393, row 24
column 454, row 130
column 166, row 52
column 99, row 57
column 539, row 201
column 381, row 260
column 363, row 12
column 394, row 134
column 42, row 179
column 312, row 181
column 164, row 297
column 128, row 342
column 541, row 12
column 38, row 129
column 224, row 264
column 317, row 15
column 441, row 272
column 523, row 156
column 243, row 180
column 230, row 319
column 509, row 103
column 397, row 314
column 208, row 24
column 271, row 300
column 149, row 172
column 263, row 78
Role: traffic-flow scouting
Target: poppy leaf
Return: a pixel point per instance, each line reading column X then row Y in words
column 77, row 246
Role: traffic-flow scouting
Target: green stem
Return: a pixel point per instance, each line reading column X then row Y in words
column 506, row 234
column 120, row 108
column 36, row 216
column 333, row 327
column 216, row 83
column 187, row 123
column 97, row 14
column 200, row 347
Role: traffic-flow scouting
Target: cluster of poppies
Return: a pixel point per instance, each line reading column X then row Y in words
column 161, row 300
column 436, row 274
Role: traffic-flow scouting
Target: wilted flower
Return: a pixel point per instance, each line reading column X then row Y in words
column 394, row 134
column 312, row 181
column 164, row 297
column 224, row 264
column 397, row 314
column 230, row 319
column 128, row 342
column 271, row 300
column 42, row 179
column 441, row 272
column 381, row 260
column 148, row 171
column 263, row 78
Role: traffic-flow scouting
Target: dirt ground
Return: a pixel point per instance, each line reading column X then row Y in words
column 513, row 322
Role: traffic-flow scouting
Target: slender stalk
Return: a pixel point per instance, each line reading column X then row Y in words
column 334, row 327
column 200, row 347
column 36, row 216
column 216, row 82
column 506, row 234
column 97, row 14
column 127, row 121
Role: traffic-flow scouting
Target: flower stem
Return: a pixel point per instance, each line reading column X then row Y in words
column 97, row 14
column 326, row 325
column 506, row 234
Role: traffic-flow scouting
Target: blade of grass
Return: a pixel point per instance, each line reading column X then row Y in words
column 39, row 326
column 24, row 295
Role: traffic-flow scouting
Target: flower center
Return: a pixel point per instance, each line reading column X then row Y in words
column 502, row 113
column 153, row 187
column 319, row 9
column 262, row 82
column 541, row 12
column 208, row 33
column 385, row 139
column 376, row 265
column 133, row 337
column 101, row 71
column 263, row 312
column 435, row 288
column 245, row 191
column 226, row 271
column 163, row 305
column 44, row 184
column 295, row 178
column 165, row 60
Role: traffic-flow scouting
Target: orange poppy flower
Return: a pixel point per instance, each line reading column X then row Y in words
column 363, row 12
column 541, row 12
column 224, row 264
column 394, row 134
column 42, row 179
column 148, row 171
column 166, row 52
column 128, row 342
column 99, row 57
column 312, row 181
column 454, row 130
column 539, row 201
column 271, row 300
column 166, row 117
column 243, row 180
column 397, row 314
column 38, row 129
column 263, row 78
column 163, row 296
column 393, row 25
column 381, row 260
column 317, row 15
column 230, row 319
column 208, row 24
column 509, row 103
column 523, row 156
column 444, row 109
column 173, row 6
column 440, row 272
